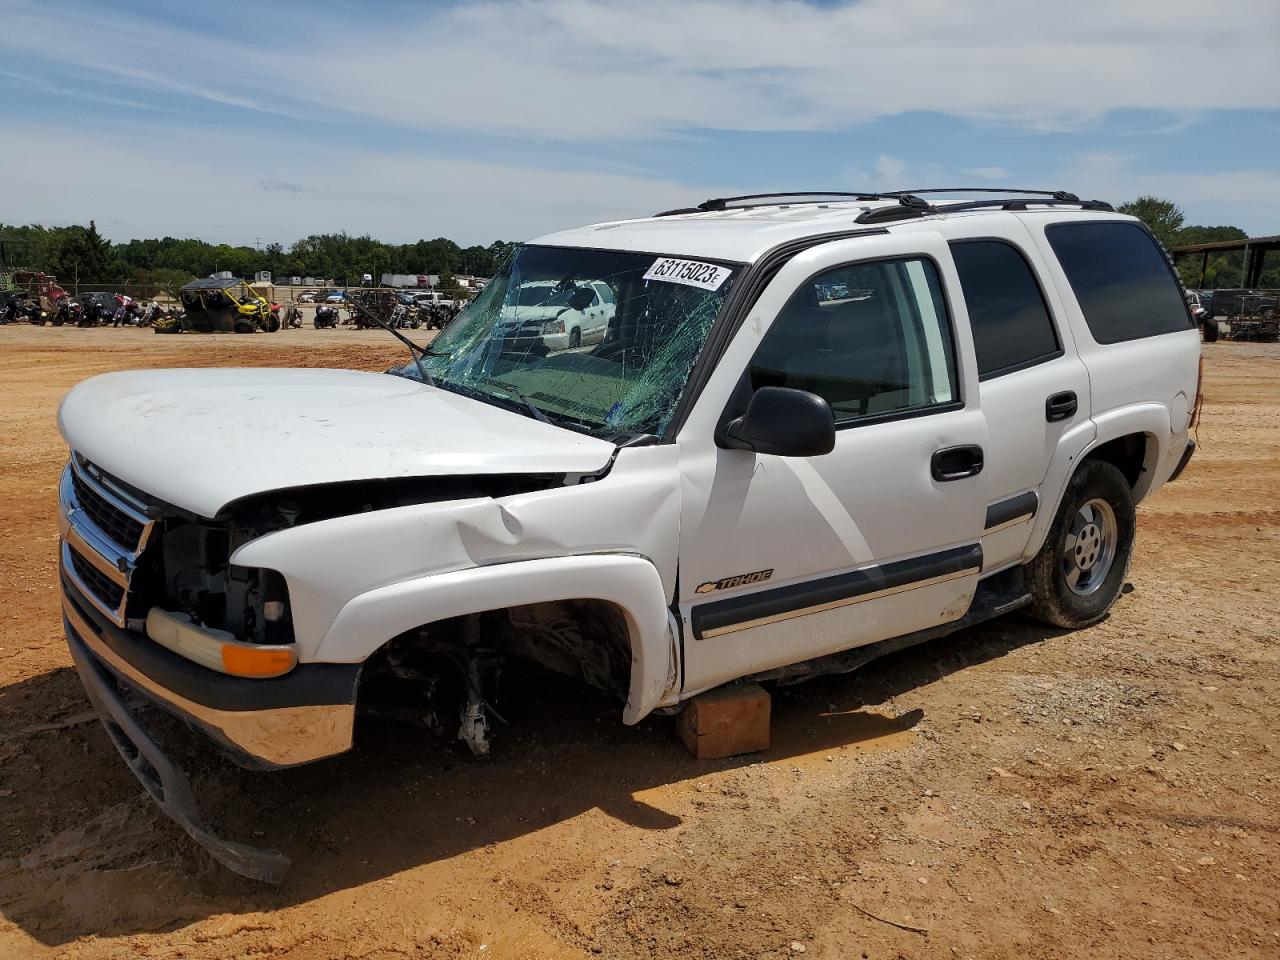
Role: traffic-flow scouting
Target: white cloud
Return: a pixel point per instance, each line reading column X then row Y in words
column 1248, row 197
column 889, row 170
column 569, row 72
column 134, row 188
column 584, row 69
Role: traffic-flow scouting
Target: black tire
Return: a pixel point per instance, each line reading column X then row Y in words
column 575, row 338
column 1052, row 598
column 1209, row 328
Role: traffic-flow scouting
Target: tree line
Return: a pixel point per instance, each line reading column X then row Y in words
column 1167, row 222
column 81, row 253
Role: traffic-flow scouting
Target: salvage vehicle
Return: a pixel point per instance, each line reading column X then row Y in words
column 1251, row 314
column 819, row 429
column 219, row 305
column 99, row 306
column 560, row 314
column 325, row 318
column 1200, row 303
column 43, row 290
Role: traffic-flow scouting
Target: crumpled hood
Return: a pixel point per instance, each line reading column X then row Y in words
column 200, row 439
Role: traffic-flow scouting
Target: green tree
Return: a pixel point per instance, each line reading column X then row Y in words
column 1220, row 269
column 1163, row 217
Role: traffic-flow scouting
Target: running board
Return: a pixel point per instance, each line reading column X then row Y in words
column 997, row 595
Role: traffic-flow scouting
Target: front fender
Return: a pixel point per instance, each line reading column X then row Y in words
column 632, row 583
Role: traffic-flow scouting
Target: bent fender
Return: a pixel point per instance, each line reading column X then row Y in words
column 369, row 620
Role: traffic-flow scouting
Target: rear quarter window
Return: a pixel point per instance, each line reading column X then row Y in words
column 1121, row 279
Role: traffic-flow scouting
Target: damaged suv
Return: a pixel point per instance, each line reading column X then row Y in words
column 813, row 430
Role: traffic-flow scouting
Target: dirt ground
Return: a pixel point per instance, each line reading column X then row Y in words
column 1011, row 791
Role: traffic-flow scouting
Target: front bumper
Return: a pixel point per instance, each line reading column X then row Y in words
column 306, row 715
column 275, row 725
column 163, row 781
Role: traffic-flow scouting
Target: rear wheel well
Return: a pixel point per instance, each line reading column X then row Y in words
column 1128, row 454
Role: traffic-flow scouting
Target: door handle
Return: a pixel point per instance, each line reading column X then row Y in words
column 956, row 463
column 1061, row 406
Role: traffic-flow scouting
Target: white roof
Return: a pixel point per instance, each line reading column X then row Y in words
column 743, row 235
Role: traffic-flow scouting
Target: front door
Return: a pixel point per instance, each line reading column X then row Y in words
column 785, row 559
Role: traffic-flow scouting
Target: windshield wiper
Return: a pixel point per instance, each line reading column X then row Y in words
column 415, row 351
column 517, row 395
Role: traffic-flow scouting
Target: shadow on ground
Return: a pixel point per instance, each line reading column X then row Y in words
column 82, row 851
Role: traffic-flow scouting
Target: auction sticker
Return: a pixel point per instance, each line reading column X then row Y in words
column 691, row 273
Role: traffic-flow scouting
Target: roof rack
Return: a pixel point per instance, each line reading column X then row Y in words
column 910, row 203
column 1041, row 198
column 718, row 204
column 1021, row 203
column 1063, row 195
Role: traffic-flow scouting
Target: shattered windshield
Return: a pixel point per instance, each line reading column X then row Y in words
column 599, row 341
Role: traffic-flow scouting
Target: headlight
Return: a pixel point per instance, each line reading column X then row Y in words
column 553, row 326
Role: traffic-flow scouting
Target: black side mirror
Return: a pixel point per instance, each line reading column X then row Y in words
column 783, row 422
column 581, row 298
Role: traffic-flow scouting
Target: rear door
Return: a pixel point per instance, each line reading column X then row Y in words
column 1034, row 388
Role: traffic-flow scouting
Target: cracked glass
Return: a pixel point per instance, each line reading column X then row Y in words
column 585, row 339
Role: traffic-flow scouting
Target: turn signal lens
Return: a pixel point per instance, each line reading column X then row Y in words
column 246, row 661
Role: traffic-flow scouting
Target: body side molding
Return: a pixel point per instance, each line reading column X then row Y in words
column 825, row 593
column 1003, row 513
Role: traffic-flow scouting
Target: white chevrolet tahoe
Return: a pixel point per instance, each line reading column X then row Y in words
column 816, row 429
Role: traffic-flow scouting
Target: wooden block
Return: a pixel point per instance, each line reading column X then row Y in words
column 726, row 722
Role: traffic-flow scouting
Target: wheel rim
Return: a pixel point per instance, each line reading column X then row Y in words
column 1090, row 547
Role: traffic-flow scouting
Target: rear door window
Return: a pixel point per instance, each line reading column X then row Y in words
column 1122, row 281
column 1007, row 313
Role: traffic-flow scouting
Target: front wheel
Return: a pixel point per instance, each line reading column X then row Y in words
column 1080, row 570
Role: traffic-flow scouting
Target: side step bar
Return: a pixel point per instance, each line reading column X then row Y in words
column 997, row 595
column 167, row 784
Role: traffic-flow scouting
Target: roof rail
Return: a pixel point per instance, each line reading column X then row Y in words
column 1063, row 195
column 910, row 203
column 1044, row 199
column 717, row 204
column 1021, row 203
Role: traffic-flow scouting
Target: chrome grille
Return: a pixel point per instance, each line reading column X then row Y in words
column 100, row 585
column 104, row 530
column 123, row 529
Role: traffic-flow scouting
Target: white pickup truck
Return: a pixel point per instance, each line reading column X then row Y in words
column 816, row 429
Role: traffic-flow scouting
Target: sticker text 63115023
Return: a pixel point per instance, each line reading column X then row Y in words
column 691, row 273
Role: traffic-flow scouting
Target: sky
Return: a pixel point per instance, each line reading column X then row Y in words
column 261, row 122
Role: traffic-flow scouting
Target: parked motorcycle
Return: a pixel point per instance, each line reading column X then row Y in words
column 35, row 314
column 326, row 318
column 68, row 312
